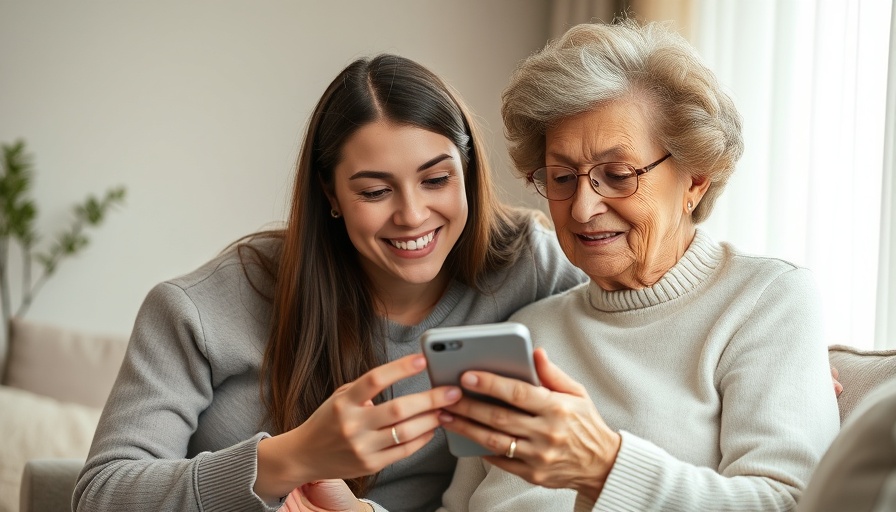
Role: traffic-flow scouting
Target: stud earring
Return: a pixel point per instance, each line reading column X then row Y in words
column 335, row 213
column 690, row 205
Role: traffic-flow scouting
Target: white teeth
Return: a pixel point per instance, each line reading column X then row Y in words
column 414, row 245
column 599, row 237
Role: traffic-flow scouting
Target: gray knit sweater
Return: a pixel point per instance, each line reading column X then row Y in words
column 716, row 376
column 181, row 427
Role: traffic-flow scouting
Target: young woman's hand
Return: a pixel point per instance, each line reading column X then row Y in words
column 323, row 496
column 348, row 436
column 560, row 441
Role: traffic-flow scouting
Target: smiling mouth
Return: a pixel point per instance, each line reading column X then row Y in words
column 598, row 236
column 416, row 244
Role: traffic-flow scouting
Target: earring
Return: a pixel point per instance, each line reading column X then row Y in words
column 335, row 213
column 690, row 205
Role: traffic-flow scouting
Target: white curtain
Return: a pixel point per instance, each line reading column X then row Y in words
column 810, row 79
column 885, row 333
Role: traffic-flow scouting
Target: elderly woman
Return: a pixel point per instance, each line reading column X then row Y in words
column 695, row 375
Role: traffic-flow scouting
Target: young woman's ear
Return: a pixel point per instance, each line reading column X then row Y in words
column 335, row 209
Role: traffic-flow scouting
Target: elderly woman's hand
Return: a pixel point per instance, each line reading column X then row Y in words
column 835, row 377
column 561, row 443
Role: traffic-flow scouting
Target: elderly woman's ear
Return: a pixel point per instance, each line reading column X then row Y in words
column 698, row 188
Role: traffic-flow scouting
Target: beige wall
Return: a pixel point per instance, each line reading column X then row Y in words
column 197, row 107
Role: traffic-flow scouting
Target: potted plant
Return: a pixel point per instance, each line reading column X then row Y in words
column 18, row 214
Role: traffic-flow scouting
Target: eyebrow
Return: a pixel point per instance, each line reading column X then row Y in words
column 383, row 174
column 618, row 152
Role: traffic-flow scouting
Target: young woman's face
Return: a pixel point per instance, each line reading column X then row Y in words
column 400, row 190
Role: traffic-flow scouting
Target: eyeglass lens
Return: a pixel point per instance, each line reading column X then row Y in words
column 612, row 179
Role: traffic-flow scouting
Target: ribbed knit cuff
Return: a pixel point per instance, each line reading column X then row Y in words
column 226, row 478
column 631, row 484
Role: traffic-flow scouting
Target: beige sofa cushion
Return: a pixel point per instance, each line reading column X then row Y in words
column 34, row 426
column 64, row 364
column 860, row 372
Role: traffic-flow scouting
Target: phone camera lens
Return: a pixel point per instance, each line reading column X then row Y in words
column 438, row 347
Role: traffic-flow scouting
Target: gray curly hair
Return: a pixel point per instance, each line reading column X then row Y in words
column 592, row 64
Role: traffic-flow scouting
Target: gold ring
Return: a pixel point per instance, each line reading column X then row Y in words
column 395, row 436
column 511, row 449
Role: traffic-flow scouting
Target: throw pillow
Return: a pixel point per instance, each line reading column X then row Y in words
column 33, row 427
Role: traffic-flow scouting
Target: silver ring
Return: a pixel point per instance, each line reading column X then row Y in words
column 395, row 436
column 511, row 449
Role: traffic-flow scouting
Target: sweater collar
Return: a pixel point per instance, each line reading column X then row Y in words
column 700, row 259
column 407, row 333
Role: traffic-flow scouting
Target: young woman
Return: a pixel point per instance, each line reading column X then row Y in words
column 293, row 356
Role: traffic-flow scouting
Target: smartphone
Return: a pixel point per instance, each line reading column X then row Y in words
column 500, row 348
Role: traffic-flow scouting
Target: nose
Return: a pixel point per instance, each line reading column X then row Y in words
column 411, row 211
column 586, row 202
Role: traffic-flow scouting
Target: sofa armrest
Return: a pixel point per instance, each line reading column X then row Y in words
column 48, row 484
column 858, row 470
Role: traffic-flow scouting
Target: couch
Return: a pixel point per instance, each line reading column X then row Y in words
column 52, row 390
column 47, row 483
column 858, row 472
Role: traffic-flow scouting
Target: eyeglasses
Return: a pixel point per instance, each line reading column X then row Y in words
column 610, row 179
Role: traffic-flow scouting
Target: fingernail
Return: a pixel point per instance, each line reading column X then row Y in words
column 419, row 362
column 444, row 417
column 452, row 394
column 469, row 380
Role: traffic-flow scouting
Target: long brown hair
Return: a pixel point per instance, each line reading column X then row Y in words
column 324, row 328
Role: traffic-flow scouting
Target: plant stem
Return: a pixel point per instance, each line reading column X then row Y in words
column 27, row 299
column 4, row 283
column 29, row 291
column 26, row 280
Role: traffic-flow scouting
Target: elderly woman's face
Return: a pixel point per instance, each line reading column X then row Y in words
column 621, row 243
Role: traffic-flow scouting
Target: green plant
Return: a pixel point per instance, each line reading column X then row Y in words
column 18, row 214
